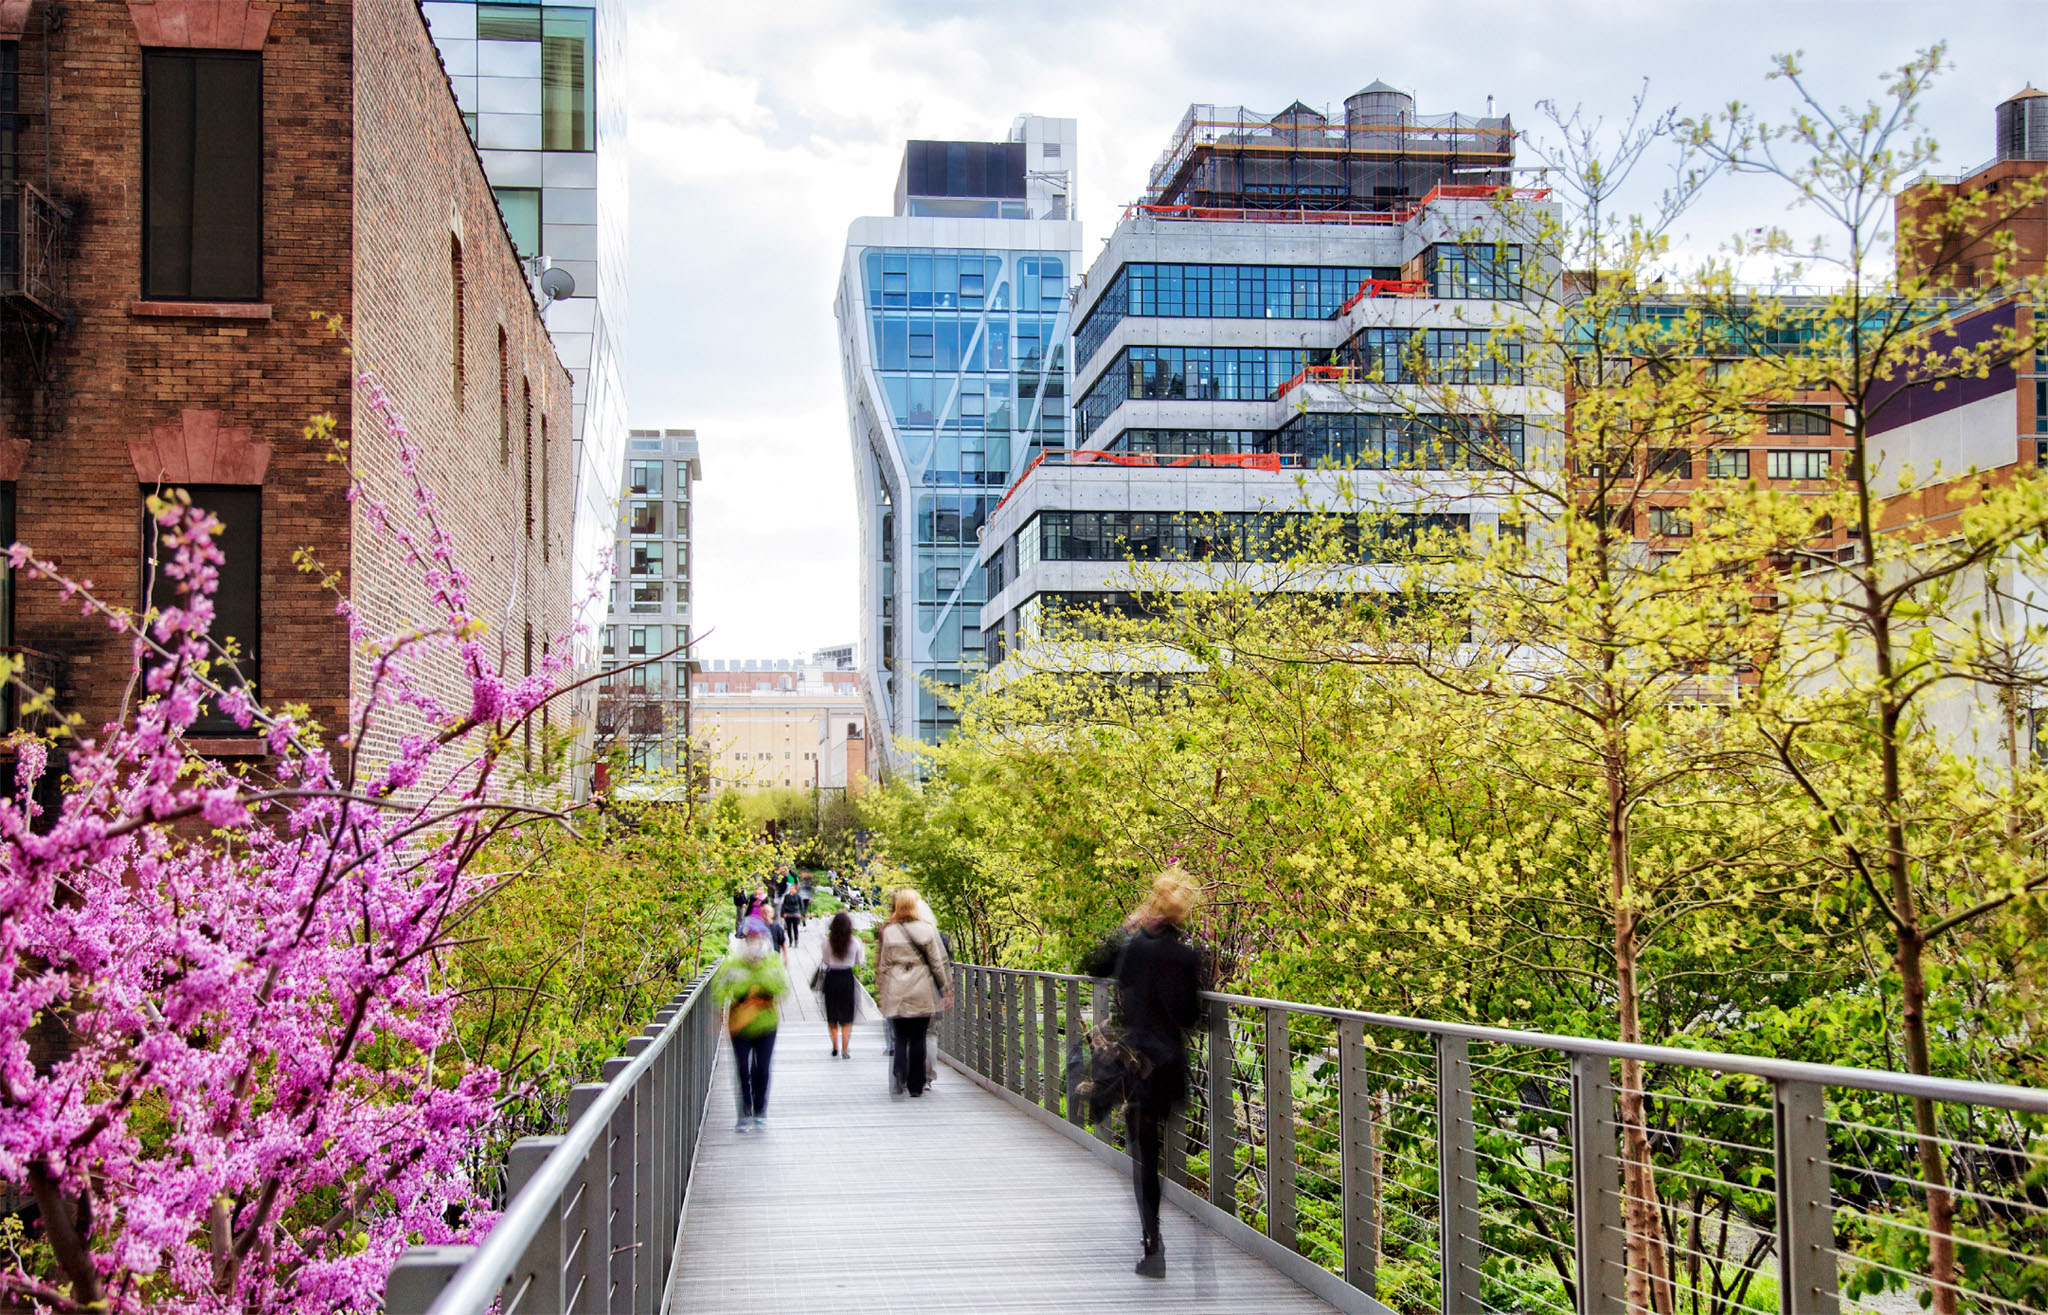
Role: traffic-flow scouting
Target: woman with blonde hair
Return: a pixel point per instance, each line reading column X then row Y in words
column 911, row 985
column 1159, row 980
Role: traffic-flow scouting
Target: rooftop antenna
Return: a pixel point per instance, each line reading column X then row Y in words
column 1489, row 104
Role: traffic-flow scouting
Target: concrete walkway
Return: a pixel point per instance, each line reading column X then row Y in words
column 850, row 1200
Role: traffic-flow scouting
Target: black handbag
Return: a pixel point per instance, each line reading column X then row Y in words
column 1104, row 1073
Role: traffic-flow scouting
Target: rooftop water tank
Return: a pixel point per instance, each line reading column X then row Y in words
column 1376, row 115
column 2023, row 126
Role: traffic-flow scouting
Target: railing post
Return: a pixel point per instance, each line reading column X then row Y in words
column 1222, row 1115
column 625, row 1235
column 1279, row 1065
column 1074, row 1034
column 587, row 1281
column 1354, row 1149
column 1100, row 988
column 1013, row 1036
column 1457, row 1177
column 535, row 1284
column 984, row 1041
column 1055, row 1053
column 646, row 1183
column 419, row 1274
column 1807, row 1277
column 1602, row 1262
column 1027, row 1015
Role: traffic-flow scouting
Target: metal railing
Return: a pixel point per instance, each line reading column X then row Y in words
column 1428, row 1166
column 591, row 1216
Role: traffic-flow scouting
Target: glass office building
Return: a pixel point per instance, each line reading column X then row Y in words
column 953, row 329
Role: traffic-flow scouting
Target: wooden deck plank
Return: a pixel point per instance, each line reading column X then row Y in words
column 853, row 1201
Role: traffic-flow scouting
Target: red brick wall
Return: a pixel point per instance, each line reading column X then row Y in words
column 418, row 183
column 367, row 170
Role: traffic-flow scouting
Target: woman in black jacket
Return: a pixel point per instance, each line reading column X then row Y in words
column 1159, row 978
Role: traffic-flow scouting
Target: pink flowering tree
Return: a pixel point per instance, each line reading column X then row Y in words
column 223, row 1009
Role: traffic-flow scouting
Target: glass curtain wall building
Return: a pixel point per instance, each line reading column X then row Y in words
column 542, row 88
column 1245, row 348
column 953, row 331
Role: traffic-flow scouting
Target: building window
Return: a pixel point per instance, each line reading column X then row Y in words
column 1728, row 463
column 644, row 517
column 504, row 399
column 546, row 516
column 646, row 596
column 1670, row 522
column 237, row 600
column 1481, row 270
column 1670, row 463
column 636, row 641
column 526, row 420
column 455, row 333
column 647, row 559
column 521, row 208
column 1797, row 463
column 1793, row 420
column 568, row 105
column 643, row 478
column 202, row 175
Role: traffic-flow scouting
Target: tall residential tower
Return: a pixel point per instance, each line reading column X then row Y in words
column 953, row 334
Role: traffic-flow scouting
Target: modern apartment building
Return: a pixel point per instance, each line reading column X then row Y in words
column 542, row 90
column 1218, row 348
column 644, row 704
column 953, row 330
column 781, row 722
column 212, row 212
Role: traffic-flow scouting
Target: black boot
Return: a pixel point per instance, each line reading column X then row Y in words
column 1153, row 1265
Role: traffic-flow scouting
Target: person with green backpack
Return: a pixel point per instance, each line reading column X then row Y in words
column 748, row 985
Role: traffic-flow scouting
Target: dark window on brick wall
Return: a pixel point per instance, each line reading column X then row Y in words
column 455, row 314
column 504, row 400
column 526, row 406
column 237, row 603
column 202, row 175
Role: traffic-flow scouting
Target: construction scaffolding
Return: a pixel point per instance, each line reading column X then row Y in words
column 1379, row 155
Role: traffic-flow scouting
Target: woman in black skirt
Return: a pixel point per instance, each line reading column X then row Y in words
column 843, row 953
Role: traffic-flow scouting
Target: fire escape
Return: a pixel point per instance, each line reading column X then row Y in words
column 32, row 315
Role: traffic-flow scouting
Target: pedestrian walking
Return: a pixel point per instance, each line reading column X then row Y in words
column 1159, row 982
column 748, row 985
column 844, row 952
column 805, row 890
column 792, row 915
column 912, row 980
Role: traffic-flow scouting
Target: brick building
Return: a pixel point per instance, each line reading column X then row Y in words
column 189, row 188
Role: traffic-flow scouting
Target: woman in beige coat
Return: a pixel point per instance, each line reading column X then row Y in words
column 912, row 980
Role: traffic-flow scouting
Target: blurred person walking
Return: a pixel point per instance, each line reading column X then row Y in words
column 1159, row 981
column 748, row 986
column 792, row 915
column 844, row 952
column 912, row 982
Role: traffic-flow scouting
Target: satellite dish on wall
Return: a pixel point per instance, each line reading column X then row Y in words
column 557, row 283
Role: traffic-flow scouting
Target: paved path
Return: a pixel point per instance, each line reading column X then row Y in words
column 955, row 1202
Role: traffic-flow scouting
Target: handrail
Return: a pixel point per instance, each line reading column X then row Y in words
column 1957, row 1090
column 1488, row 1168
column 481, row 1273
column 1399, row 215
column 1269, row 461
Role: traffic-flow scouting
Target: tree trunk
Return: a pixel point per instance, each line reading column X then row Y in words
column 1649, row 1278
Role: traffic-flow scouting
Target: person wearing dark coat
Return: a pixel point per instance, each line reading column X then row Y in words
column 1160, row 977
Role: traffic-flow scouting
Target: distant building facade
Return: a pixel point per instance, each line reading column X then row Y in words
column 782, row 722
column 644, row 700
column 953, row 332
column 1223, row 337
column 212, row 211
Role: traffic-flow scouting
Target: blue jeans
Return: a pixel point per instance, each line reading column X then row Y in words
column 750, row 1057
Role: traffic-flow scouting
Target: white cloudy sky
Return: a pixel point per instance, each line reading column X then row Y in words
column 759, row 131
